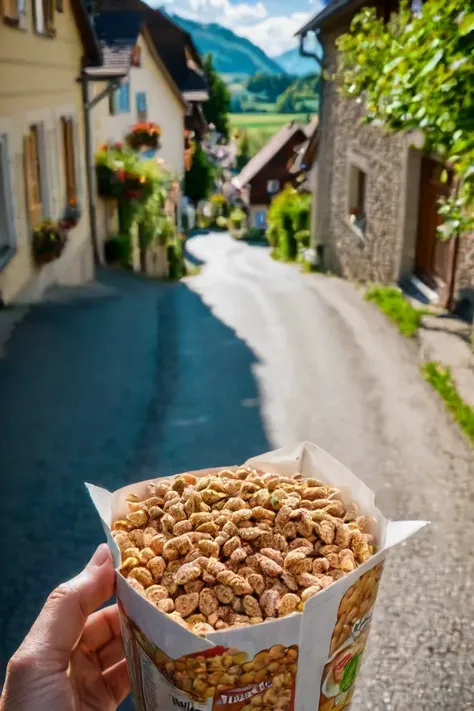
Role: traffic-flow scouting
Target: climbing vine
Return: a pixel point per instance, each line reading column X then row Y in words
column 416, row 72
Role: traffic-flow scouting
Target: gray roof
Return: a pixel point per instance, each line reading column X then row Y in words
column 268, row 151
column 332, row 8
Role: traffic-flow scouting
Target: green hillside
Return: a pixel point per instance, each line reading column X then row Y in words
column 233, row 55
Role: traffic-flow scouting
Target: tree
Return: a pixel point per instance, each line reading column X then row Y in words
column 198, row 180
column 216, row 109
column 243, row 153
column 415, row 72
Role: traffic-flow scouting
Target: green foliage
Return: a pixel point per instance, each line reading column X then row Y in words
column 441, row 379
column 199, row 179
column 118, row 250
column 272, row 85
column 243, row 151
column 415, row 72
column 288, row 221
column 217, row 108
column 391, row 301
column 219, row 205
column 237, row 218
column 177, row 266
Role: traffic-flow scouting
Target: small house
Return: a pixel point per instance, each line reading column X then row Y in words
column 269, row 171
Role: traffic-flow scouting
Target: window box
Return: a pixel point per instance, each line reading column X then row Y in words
column 49, row 240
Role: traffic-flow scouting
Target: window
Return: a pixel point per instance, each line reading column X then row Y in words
column 120, row 99
column 69, row 159
column 7, row 225
column 273, row 186
column 357, row 199
column 33, row 176
column 142, row 110
column 44, row 16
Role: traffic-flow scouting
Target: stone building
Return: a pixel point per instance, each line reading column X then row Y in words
column 376, row 202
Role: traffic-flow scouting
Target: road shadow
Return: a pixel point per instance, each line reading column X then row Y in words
column 141, row 380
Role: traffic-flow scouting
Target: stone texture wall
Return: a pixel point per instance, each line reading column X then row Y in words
column 465, row 269
column 345, row 142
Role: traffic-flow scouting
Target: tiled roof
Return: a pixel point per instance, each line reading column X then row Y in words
column 269, row 150
column 118, row 34
column 332, row 8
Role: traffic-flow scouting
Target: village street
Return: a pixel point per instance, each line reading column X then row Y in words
column 129, row 378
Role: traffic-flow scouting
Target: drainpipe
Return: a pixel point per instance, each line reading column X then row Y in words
column 87, row 106
column 320, row 93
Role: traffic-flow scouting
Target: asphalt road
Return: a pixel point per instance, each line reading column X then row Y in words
column 130, row 378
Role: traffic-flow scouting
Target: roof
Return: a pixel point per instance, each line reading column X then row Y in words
column 163, row 69
column 334, row 7
column 305, row 153
column 89, row 38
column 178, row 53
column 269, row 150
column 118, row 32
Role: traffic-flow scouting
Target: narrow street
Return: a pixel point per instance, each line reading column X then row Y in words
column 246, row 356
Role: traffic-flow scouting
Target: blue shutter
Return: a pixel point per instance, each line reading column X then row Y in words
column 141, row 102
column 124, row 98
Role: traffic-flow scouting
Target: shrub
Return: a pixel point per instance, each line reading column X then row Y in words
column 288, row 223
column 49, row 240
column 237, row 218
column 441, row 379
column 221, row 222
column 118, row 250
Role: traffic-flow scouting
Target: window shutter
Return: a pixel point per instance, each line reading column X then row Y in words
column 11, row 10
column 77, row 158
column 48, row 14
column 31, row 168
column 59, row 6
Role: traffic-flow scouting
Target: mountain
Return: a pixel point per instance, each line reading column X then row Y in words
column 232, row 54
column 293, row 63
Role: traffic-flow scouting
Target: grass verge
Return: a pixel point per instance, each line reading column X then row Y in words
column 391, row 301
column 441, row 379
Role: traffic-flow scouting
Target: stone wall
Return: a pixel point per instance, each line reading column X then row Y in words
column 376, row 255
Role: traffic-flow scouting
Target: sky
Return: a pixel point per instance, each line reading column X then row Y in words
column 270, row 24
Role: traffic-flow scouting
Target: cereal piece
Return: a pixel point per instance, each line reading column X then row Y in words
column 302, row 543
column 208, row 601
column 273, row 555
column 326, row 531
column 359, row 546
column 289, row 530
column 186, row 604
column 155, row 593
column 288, row 604
column 208, row 548
column 136, row 585
column 123, row 525
column 320, row 566
column 251, row 606
column 224, row 593
column 289, row 580
column 256, row 582
column 142, row 575
column 169, row 582
column 145, row 555
column 221, row 625
column 317, row 492
column 165, row 605
column 157, row 567
column 325, row 550
column 128, row 565
column 304, row 525
column 307, row 580
column 208, row 578
column 137, row 519
column 250, row 534
column 237, row 605
column 269, row 566
column 182, row 527
column 194, row 586
column 256, row 620
column 202, row 629
column 240, row 516
column 122, row 540
column 157, row 543
column 213, row 566
column 238, row 556
column 231, row 545
column 208, row 527
column 347, row 561
column 130, row 553
column 187, row 572
column 136, row 537
column 269, row 602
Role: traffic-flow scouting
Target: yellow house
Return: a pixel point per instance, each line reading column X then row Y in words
column 43, row 47
column 147, row 94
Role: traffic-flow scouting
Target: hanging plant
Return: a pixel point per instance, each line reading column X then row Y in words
column 71, row 217
column 49, row 240
column 415, row 73
column 144, row 135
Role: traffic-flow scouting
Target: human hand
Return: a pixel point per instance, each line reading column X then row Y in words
column 72, row 658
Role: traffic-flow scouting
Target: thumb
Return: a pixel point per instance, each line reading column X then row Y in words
column 62, row 619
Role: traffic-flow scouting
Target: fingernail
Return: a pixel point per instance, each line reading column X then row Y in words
column 100, row 556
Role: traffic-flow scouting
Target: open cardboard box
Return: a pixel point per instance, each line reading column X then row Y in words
column 308, row 660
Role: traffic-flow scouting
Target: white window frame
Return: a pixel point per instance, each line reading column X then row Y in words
column 39, row 17
column 5, row 162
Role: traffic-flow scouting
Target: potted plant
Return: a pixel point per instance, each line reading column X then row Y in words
column 49, row 240
column 144, row 135
column 71, row 216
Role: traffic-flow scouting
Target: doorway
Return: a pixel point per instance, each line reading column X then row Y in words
column 435, row 260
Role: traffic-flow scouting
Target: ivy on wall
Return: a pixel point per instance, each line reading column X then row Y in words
column 415, row 72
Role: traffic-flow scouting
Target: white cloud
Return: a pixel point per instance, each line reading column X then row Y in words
column 274, row 34
column 225, row 13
